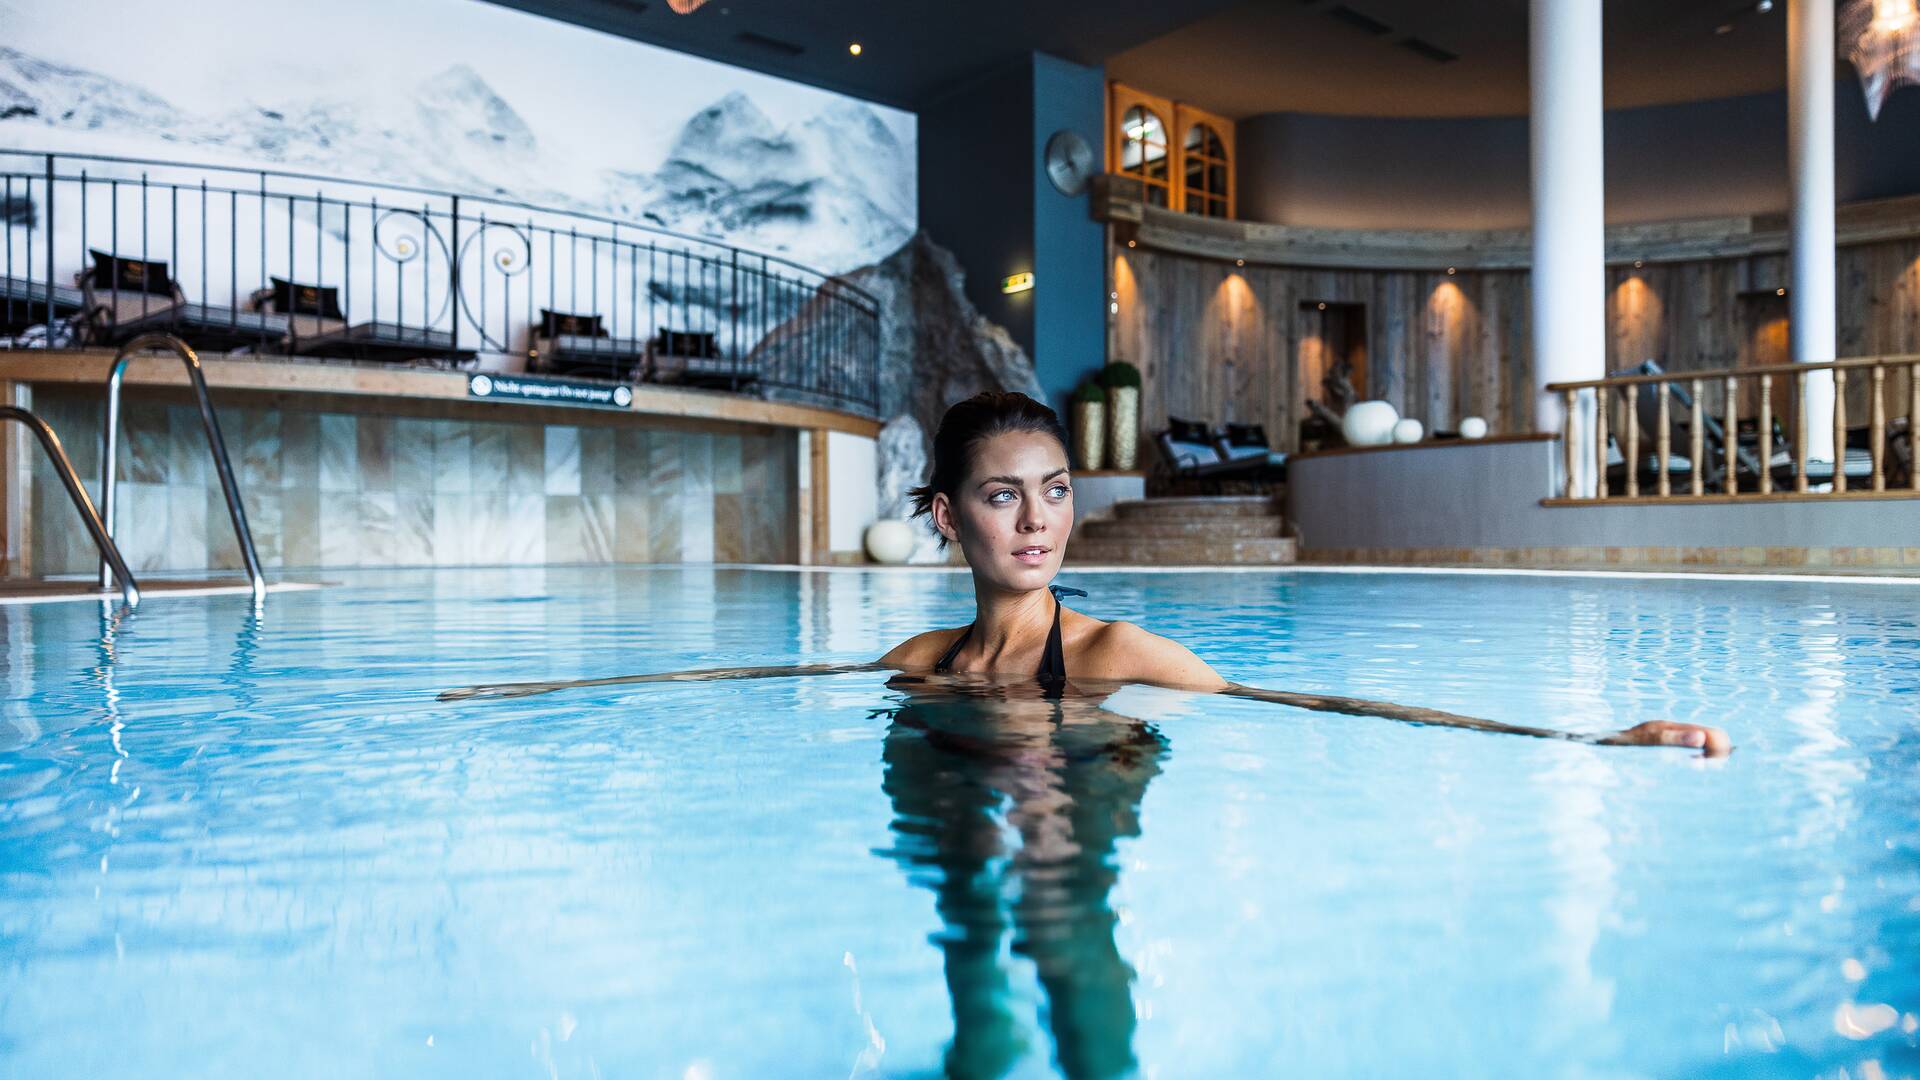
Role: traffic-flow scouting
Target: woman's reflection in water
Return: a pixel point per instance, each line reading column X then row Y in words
column 1008, row 805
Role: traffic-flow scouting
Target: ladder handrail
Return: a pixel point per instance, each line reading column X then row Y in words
column 109, row 554
column 215, row 444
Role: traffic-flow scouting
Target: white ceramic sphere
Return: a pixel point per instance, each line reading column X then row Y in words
column 1473, row 428
column 1408, row 431
column 1369, row 423
column 890, row 541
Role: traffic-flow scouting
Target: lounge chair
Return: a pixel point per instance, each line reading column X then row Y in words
column 1247, row 444
column 1858, row 457
column 564, row 344
column 1189, row 455
column 386, row 342
column 694, row 358
column 1679, row 470
column 124, row 298
column 23, row 305
column 310, row 311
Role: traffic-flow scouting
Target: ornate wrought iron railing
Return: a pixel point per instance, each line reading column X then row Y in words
column 99, row 249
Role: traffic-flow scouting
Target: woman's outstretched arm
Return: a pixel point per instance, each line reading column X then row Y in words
column 529, row 689
column 1710, row 741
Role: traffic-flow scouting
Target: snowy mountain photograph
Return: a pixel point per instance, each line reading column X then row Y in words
column 464, row 97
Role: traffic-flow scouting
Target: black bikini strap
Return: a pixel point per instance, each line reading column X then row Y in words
column 953, row 650
column 1053, row 664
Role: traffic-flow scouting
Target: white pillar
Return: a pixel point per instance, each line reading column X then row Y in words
column 1569, row 217
column 1810, row 296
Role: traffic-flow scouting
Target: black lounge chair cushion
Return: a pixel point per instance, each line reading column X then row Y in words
column 1192, row 431
column 687, row 343
column 293, row 298
column 110, row 272
column 1247, row 435
column 554, row 324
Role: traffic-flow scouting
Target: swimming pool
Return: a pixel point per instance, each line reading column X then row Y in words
column 240, row 847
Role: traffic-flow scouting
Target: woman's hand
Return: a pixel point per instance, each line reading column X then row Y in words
column 1711, row 741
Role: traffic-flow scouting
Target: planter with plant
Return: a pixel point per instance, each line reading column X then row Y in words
column 1090, row 425
column 1122, row 382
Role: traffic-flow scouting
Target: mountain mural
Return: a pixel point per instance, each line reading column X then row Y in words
column 834, row 191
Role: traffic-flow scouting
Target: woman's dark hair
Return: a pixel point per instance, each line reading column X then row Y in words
column 970, row 423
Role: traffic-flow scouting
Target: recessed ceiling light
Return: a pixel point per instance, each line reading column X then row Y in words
column 1239, row 262
column 1638, row 263
column 1323, row 305
column 854, row 48
column 1449, row 271
column 1779, row 292
column 1129, row 243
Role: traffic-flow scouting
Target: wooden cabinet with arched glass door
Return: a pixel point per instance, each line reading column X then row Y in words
column 1179, row 157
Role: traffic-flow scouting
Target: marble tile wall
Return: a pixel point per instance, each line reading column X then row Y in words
column 349, row 489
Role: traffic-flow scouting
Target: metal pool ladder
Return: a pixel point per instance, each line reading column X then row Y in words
column 215, row 444
column 109, row 554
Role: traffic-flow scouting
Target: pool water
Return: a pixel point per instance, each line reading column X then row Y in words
column 240, row 846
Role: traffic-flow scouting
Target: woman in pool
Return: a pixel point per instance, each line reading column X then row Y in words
column 1001, row 490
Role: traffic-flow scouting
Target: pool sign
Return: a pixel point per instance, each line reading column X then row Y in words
column 550, row 391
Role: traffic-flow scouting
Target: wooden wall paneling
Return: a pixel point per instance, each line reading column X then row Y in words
column 1218, row 342
column 1278, row 303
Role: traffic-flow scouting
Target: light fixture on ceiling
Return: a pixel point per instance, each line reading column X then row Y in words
column 685, row 7
column 854, row 48
column 1239, row 262
column 1323, row 305
column 1779, row 292
column 1638, row 263
column 1450, row 271
column 1129, row 243
column 1882, row 39
column 1763, row 6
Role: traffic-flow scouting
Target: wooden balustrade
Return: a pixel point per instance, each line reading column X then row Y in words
column 1725, row 464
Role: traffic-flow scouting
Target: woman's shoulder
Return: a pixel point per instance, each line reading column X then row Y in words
column 922, row 651
column 1127, row 652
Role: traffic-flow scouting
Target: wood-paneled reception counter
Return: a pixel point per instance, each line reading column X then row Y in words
column 360, row 465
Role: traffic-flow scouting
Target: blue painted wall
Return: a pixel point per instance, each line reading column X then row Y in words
column 985, row 196
column 1070, row 318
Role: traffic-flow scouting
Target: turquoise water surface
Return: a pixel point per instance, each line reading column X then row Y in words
column 240, row 846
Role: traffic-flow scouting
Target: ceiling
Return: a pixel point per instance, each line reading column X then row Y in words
column 1314, row 56
column 911, row 50
column 1237, row 57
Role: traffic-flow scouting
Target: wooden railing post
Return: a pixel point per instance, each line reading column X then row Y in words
column 1800, row 432
column 1629, row 412
column 1877, row 428
column 1568, row 453
column 1698, row 424
column 1913, row 426
column 1730, row 434
column 1663, row 445
column 1766, row 434
column 1600, row 433
column 1839, row 430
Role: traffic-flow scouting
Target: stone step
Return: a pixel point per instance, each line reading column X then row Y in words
column 1167, row 551
column 1202, row 506
column 1204, row 528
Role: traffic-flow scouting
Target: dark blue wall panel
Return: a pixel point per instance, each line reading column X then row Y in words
column 1070, row 318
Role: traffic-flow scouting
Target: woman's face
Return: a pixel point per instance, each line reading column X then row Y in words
column 1012, row 513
